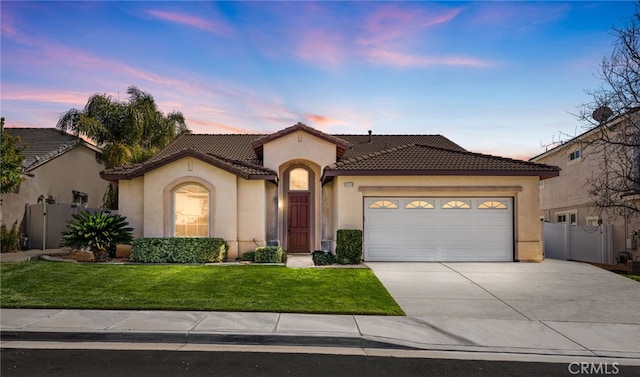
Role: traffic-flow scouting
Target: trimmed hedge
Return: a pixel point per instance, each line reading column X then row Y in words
column 349, row 246
column 179, row 250
column 269, row 254
column 249, row 256
column 320, row 258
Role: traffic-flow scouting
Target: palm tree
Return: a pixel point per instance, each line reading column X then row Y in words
column 127, row 131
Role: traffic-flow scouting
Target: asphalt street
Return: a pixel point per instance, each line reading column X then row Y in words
column 122, row 363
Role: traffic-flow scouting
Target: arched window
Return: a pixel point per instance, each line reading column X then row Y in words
column 457, row 204
column 383, row 204
column 419, row 204
column 299, row 179
column 191, row 211
column 493, row 204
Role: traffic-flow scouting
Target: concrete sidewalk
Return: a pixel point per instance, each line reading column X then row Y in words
column 560, row 341
column 23, row 256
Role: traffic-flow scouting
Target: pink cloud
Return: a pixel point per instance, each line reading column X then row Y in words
column 519, row 14
column 17, row 93
column 391, row 23
column 193, row 21
column 318, row 118
column 323, row 47
column 390, row 35
column 206, row 126
column 400, row 59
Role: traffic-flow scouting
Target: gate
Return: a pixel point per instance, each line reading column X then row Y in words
column 45, row 223
column 581, row 243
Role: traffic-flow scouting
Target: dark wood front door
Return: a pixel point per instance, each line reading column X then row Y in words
column 298, row 222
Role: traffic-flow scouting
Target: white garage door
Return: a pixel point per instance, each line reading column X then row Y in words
column 438, row 229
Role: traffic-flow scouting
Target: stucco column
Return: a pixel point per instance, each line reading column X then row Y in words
column 272, row 215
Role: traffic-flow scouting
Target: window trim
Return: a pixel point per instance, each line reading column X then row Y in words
column 567, row 217
column 169, row 190
column 174, row 193
column 290, row 180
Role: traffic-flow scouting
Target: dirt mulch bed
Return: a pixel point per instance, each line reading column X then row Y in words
column 83, row 256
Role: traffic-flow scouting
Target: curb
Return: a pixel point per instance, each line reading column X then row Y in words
column 198, row 338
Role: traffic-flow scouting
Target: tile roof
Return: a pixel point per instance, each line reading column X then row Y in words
column 418, row 159
column 365, row 144
column 239, row 168
column 44, row 144
column 387, row 154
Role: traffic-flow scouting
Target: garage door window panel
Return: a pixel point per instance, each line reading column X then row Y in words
column 493, row 204
column 457, row 204
column 420, row 204
column 383, row 204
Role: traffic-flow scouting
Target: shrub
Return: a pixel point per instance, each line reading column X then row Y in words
column 100, row 232
column 269, row 254
column 249, row 256
column 349, row 246
column 9, row 240
column 320, row 258
column 179, row 250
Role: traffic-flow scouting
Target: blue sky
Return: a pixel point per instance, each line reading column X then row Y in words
column 495, row 77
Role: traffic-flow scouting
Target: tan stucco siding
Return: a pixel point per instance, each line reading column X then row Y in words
column 348, row 212
column 570, row 189
column 252, row 214
column 300, row 149
column 131, row 203
column 76, row 170
column 298, row 145
column 223, row 199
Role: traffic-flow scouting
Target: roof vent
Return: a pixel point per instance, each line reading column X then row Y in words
column 370, row 139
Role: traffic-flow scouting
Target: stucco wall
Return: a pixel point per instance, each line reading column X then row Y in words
column 298, row 145
column 75, row 170
column 252, row 214
column 131, row 203
column 568, row 193
column 348, row 212
column 237, row 206
column 296, row 149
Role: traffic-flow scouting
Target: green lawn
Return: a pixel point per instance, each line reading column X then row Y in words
column 634, row 277
column 43, row 284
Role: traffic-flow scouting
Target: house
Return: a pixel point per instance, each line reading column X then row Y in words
column 566, row 198
column 57, row 167
column 416, row 197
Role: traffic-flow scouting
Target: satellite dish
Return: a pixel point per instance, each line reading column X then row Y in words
column 602, row 113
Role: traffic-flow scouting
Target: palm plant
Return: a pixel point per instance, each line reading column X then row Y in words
column 127, row 131
column 99, row 232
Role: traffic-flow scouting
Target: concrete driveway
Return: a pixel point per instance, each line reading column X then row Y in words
column 549, row 291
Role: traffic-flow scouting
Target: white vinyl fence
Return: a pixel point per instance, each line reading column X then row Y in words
column 581, row 243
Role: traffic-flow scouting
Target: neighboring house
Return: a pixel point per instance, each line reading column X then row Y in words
column 566, row 199
column 57, row 167
column 416, row 197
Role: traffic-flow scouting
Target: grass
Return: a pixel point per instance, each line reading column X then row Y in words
column 251, row 288
column 633, row 277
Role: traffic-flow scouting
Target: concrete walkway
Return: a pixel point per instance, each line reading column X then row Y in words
column 22, row 256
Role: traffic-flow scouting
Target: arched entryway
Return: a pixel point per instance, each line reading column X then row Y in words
column 299, row 191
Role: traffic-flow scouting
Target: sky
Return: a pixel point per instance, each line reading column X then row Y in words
column 502, row 78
